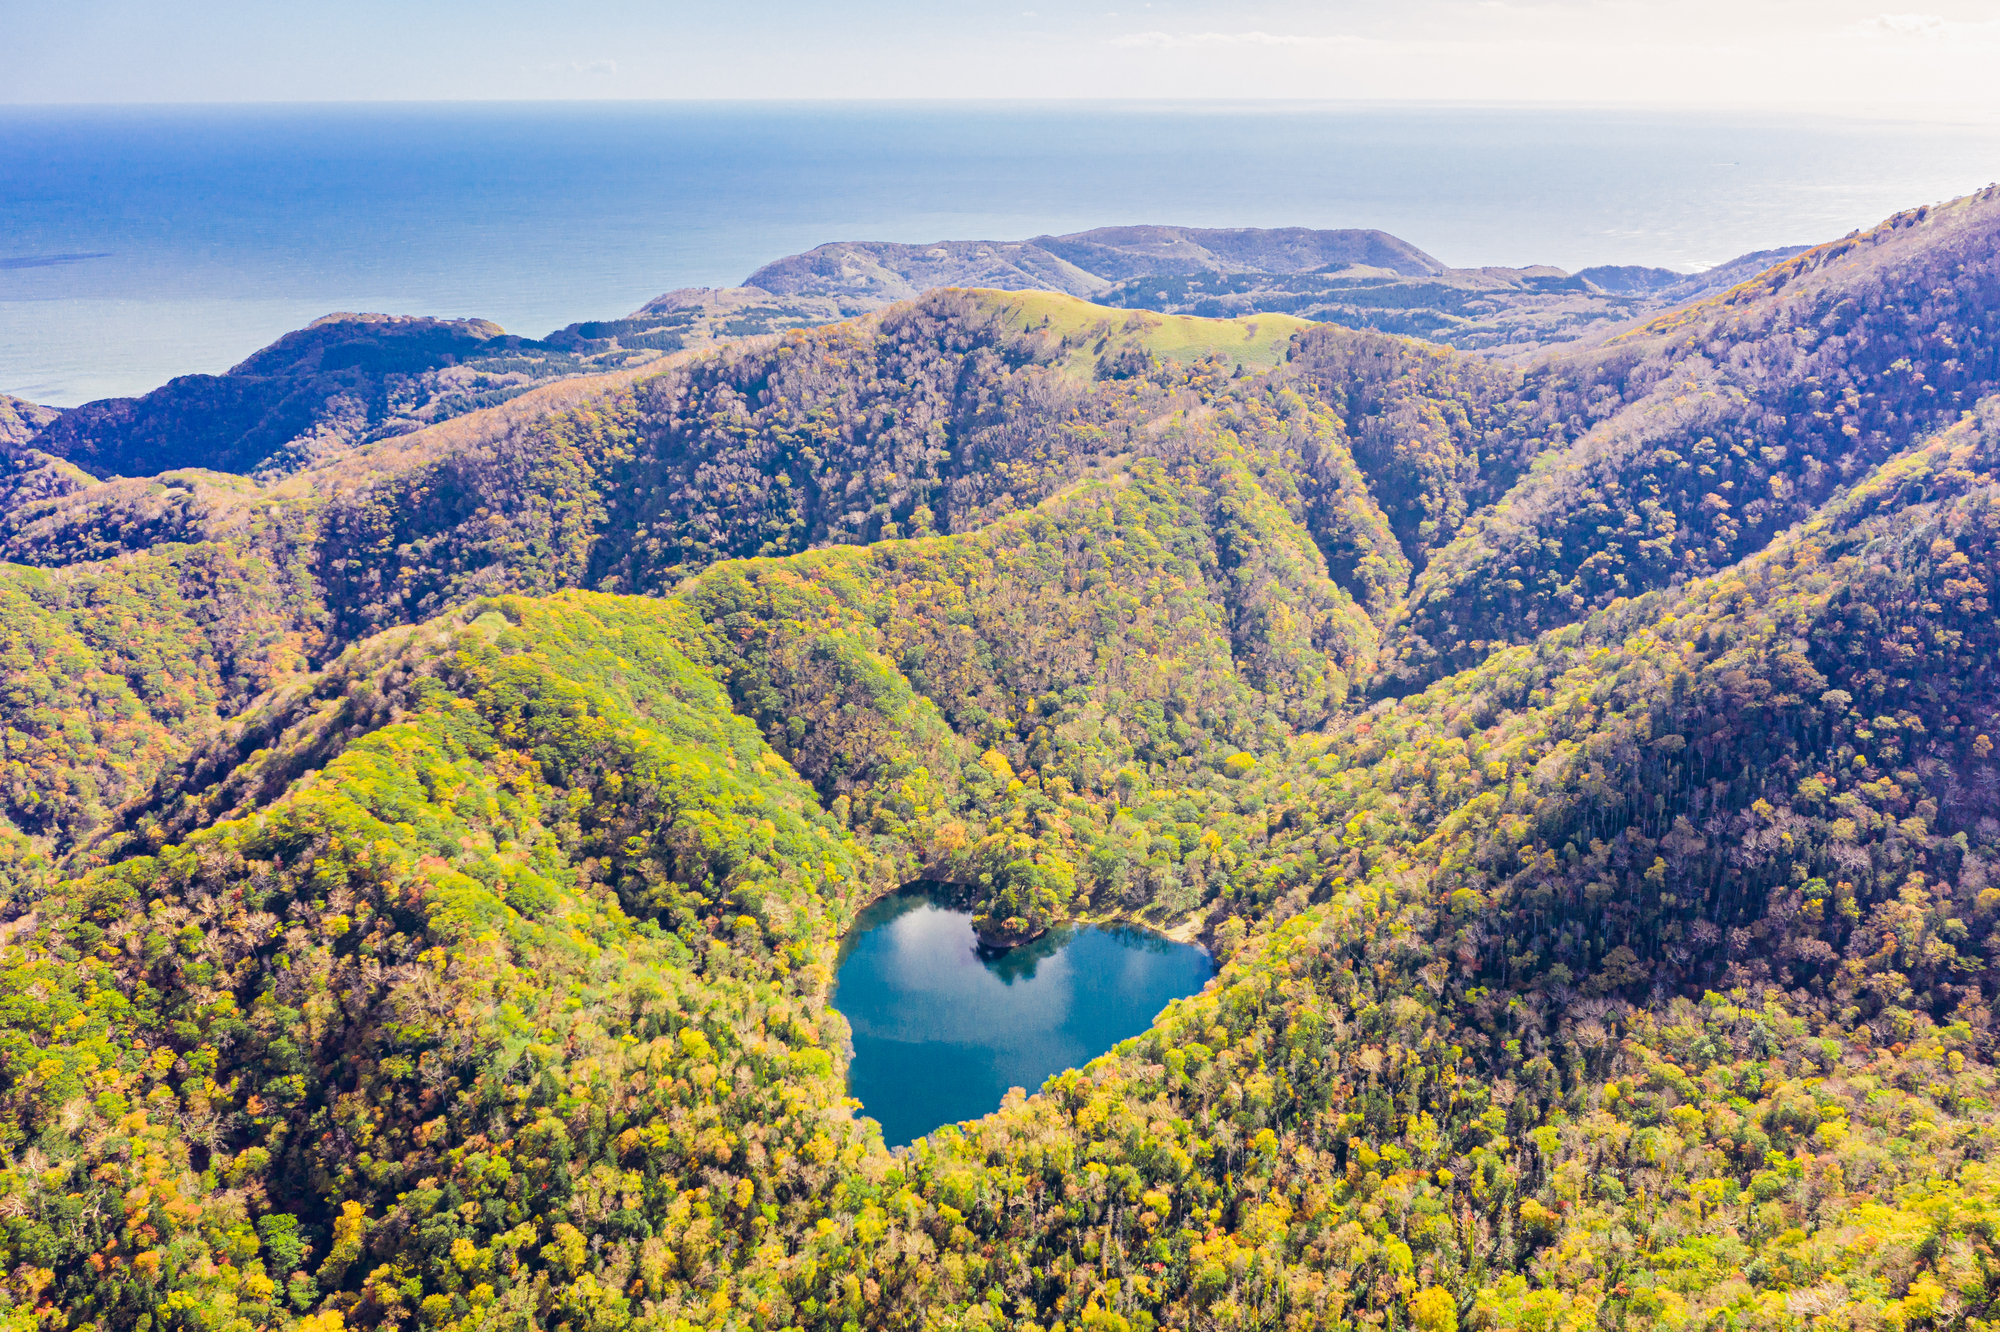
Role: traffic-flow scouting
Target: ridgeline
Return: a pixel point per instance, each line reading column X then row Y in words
column 427, row 836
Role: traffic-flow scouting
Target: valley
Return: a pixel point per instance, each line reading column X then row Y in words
column 432, row 821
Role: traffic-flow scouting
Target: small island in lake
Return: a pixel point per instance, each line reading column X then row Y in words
column 942, row 1025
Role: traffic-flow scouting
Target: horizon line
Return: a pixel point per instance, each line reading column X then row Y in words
column 1777, row 108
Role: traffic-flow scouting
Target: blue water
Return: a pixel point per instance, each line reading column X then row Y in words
column 942, row 1030
column 218, row 228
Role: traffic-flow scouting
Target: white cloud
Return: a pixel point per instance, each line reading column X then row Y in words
column 1923, row 27
column 1168, row 41
column 1909, row 25
column 1796, row 54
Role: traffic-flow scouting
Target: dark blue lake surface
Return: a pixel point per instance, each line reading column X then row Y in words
column 139, row 243
column 942, row 1030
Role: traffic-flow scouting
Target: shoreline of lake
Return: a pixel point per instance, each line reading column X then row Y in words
column 940, row 1029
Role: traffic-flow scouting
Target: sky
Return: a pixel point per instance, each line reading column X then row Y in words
column 1852, row 56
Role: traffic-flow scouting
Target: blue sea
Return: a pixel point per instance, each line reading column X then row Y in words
column 139, row 243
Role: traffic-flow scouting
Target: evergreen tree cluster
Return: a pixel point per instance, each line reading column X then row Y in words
column 422, row 871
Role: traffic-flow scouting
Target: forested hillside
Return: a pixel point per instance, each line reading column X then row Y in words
column 313, row 394
column 20, row 421
column 424, row 866
column 1695, row 439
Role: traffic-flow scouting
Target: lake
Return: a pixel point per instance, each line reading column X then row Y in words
column 942, row 1028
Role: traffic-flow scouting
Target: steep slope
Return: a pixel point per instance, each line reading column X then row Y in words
column 348, row 379
column 943, row 416
column 112, row 669
column 20, row 421
column 1688, row 444
column 28, row 474
column 1157, row 617
column 940, row 417
column 463, row 761
column 1438, row 434
column 473, row 972
column 935, row 417
column 316, row 392
column 443, row 845
column 1640, row 975
column 1146, row 628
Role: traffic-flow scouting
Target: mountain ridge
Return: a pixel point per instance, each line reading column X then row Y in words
column 1358, row 278
column 289, row 404
column 422, row 870
column 1084, row 263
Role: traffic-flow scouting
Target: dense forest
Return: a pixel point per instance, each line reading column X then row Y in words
column 347, row 379
column 423, row 860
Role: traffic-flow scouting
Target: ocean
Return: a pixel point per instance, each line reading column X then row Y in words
column 140, row 243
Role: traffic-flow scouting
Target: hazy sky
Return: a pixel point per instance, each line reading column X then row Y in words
column 1823, row 54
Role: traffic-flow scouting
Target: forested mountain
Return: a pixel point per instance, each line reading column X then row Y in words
column 21, row 421
column 1689, row 443
column 1501, row 313
column 424, row 860
column 1357, row 279
column 313, row 394
column 1086, row 263
column 350, row 379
